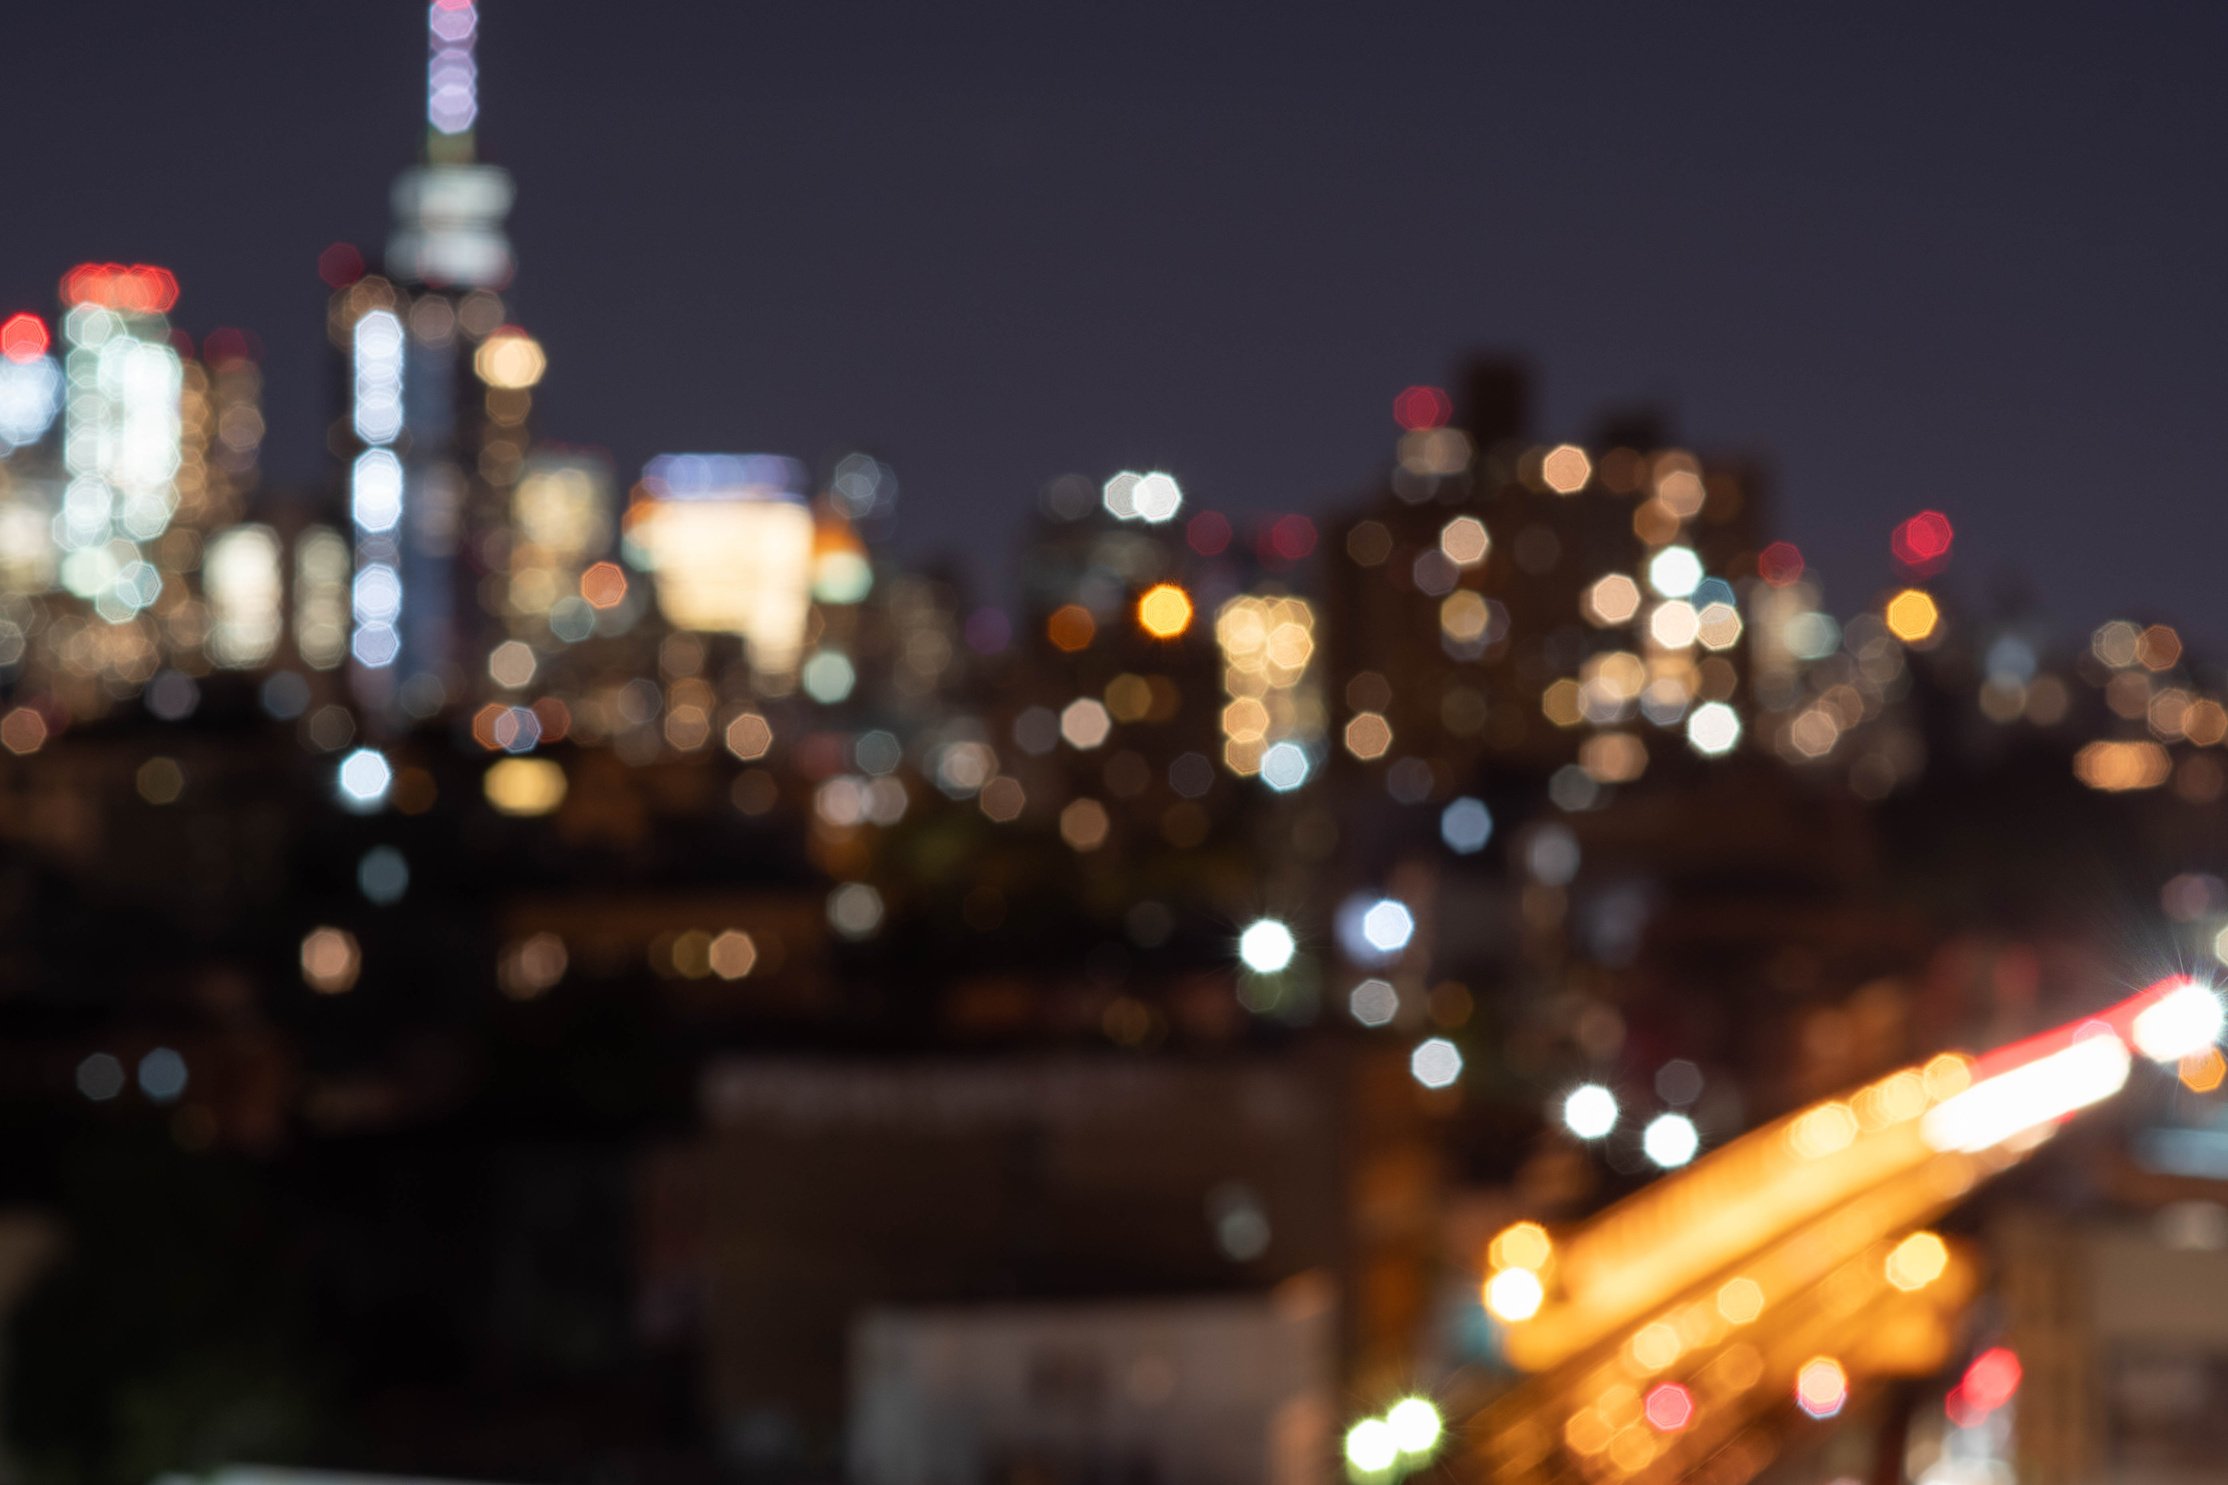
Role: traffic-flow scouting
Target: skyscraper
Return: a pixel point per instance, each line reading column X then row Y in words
column 440, row 388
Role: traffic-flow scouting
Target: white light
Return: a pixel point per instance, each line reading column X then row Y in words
column 376, row 490
column 1713, row 729
column 1388, row 925
column 1284, row 767
column 1266, row 946
column 1675, row 572
column 1670, row 1140
column 1589, row 1111
column 1373, row 1002
column 1514, row 1294
column 1466, row 825
column 1156, row 498
column 828, row 677
column 1415, row 1425
column 1119, row 495
column 377, row 594
column 1435, row 1063
column 1674, row 625
column 1370, row 1447
column 2181, row 1023
column 376, row 645
column 452, row 77
column 378, row 354
column 364, row 778
column 2024, row 1098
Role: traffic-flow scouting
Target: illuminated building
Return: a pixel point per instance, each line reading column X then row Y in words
column 439, row 392
column 121, row 434
column 561, row 523
column 30, row 401
column 729, row 540
column 1272, row 722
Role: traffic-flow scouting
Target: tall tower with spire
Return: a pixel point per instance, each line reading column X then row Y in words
column 440, row 388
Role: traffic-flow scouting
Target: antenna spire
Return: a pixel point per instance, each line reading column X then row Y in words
column 452, row 80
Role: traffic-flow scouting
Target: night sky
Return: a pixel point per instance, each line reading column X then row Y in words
column 1963, row 257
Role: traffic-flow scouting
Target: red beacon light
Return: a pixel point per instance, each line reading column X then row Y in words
column 1780, row 564
column 1421, row 408
column 1922, row 543
column 140, row 288
column 23, row 337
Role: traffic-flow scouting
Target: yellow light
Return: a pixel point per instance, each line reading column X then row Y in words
column 525, row 786
column 2117, row 765
column 1525, row 1245
column 510, row 359
column 1823, row 1131
column 1370, row 1446
column 1655, row 1346
column 1514, row 1295
column 1821, row 1387
column 2201, row 1072
column 1415, row 1425
column 1917, row 1262
column 1740, row 1300
column 1912, row 616
column 1946, row 1075
column 1164, row 611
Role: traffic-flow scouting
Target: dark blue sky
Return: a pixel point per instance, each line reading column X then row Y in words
column 1965, row 257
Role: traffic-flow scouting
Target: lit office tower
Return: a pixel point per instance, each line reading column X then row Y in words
column 729, row 540
column 440, row 389
column 120, row 434
column 30, row 401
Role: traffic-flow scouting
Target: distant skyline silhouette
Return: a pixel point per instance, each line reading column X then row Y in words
column 1913, row 258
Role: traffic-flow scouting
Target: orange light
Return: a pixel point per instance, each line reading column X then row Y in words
column 1164, row 611
column 603, row 585
column 1071, row 627
column 1912, row 616
column 2202, row 1071
column 138, row 289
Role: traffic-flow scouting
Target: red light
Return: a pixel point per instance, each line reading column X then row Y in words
column 340, row 265
column 1922, row 543
column 1992, row 1379
column 1289, row 538
column 23, row 337
column 224, row 346
column 1422, row 407
column 1780, row 564
column 1670, row 1408
column 140, row 288
column 1208, row 533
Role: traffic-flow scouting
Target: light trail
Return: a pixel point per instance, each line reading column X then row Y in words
column 1785, row 1244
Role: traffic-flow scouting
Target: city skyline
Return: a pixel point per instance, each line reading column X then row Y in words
column 774, row 339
